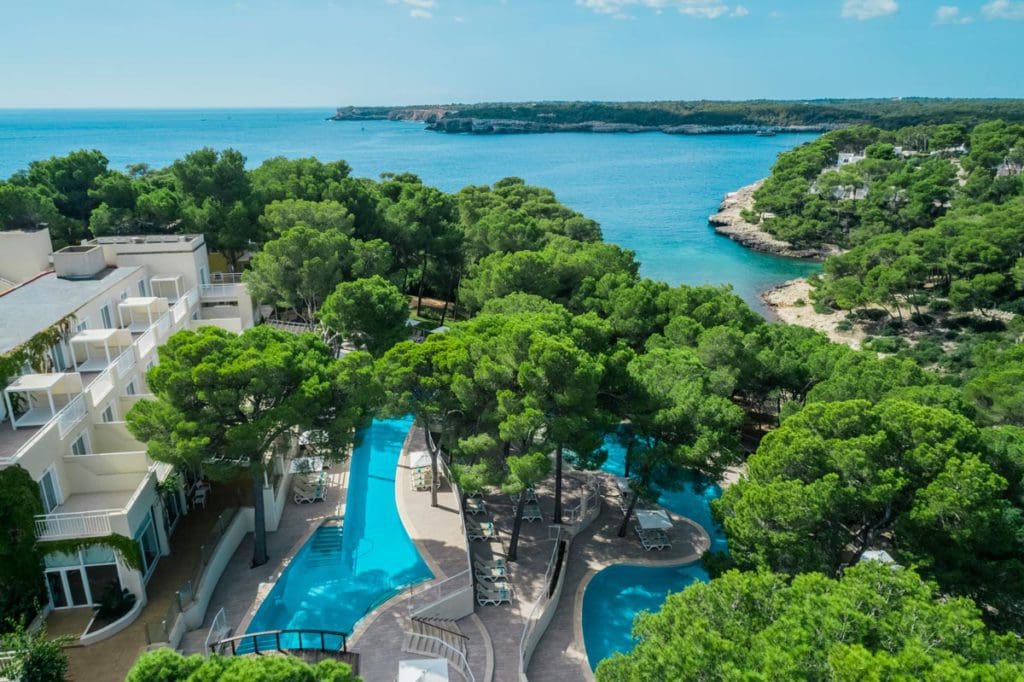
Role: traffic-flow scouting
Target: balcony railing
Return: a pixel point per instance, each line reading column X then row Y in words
column 146, row 343
column 222, row 291
column 163, row 327
column 101, row 387
column 125, row 363
column 74, row 525
column 70, row 415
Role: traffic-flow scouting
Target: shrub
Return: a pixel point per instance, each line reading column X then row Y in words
column 844, row 325
column 822, row 309
column 114, row 603
column 799, row 302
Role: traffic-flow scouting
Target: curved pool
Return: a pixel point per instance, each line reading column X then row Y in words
column 616, row 594
column 340, row 575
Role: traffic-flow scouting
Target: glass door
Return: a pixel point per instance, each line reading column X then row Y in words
column 48, row 489
column 67, row 588
column 149, row 543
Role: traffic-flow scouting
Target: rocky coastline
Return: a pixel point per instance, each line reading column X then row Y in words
column 444, row 120
column 729, row 222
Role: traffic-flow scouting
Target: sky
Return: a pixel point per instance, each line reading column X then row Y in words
column 326, row 53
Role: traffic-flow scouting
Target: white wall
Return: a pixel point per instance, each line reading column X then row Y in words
column 24, row 254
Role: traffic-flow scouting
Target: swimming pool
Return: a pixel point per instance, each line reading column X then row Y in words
column 616, row 594
column 341, row 574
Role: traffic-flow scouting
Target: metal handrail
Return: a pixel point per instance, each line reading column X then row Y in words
column 276, row 634
column 461, row 664
column 424, row 621
column 221, row 618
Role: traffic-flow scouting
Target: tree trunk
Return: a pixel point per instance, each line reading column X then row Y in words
column 557, row 516
column 433, row 468
column 259, row 550
column 629, row 513
column 517, row 524
column 423, row 277
column 629, row 453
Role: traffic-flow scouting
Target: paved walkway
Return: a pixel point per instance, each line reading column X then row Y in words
column 111, row 659
column 241, row 588
column 560, row 654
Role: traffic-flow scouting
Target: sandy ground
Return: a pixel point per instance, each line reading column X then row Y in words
column 783, row 302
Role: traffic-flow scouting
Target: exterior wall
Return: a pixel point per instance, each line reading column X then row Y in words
column 185, row 256
column 24, row 254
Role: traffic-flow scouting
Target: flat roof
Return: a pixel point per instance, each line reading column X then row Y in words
column 46, row 300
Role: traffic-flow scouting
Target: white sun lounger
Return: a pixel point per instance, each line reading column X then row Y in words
column 475, row 506
column 653, row 540
column 492, row 595
column 481, row 531
column 489, row 572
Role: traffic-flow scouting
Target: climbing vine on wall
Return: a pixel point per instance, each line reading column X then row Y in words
column 126, row 548
column 36, row 351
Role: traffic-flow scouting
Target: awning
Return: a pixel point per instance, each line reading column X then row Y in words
column 423, row 670
column 651, row 519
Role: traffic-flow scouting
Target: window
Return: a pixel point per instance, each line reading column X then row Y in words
column 82, row 325
column 203, row 281
column 108, row 414
column 108, row 323
column 80, row 578
column 149, row 543
column 130, row 388
column 59, row 363
column 49, row 490
column 124, row 294
column 81, row 445
column 142, row 287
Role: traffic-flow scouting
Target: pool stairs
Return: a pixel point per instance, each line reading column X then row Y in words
column 439, row 638
column 326, row 544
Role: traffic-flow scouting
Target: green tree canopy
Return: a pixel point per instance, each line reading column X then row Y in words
column 874, row 623
column 371, row 312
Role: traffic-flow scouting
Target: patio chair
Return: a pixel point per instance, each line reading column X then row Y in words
column 303, row 493
column 496, row 562
column 653, row 540
column 488, row 572
column 481, row 531
column 492, row 595
column 199, row 498
column 475, row 506
column 532, row 512
column 531, row 495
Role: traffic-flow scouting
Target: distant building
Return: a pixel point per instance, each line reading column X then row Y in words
column 1008, row 169
column 846, row 158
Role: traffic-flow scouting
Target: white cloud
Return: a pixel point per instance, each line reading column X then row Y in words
column 1003, row 9
column 868, row 9
column 950, row 14
column 418, row 9
column 705, row 9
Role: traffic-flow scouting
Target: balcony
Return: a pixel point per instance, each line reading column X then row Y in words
column 111, row 493
column 223, row 286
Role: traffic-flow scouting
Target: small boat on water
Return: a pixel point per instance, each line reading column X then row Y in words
column 765, row 133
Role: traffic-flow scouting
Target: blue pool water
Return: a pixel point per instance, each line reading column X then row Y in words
column 651, row 192
column 615, row 595
column 330, row 585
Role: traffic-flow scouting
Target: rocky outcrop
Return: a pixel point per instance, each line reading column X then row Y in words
column 729, row 222
column 489, row 126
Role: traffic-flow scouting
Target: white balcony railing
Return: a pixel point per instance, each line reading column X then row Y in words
column 222, row 291
column 163, row 327
column 180, row 310
column 125, row 363
column 74, row 525
column 70, row 415
column 101, row 387
column 192, row 298
column 146, row 343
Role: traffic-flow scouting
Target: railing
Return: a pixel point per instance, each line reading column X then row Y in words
column 218, row 628
column 545, row 596
column 293, row 327
column 220, row 526
column 225, row 278
column 282, row 640
column 74, row 524
column 101, row 387
column 180, row 309
column 450, row 654
column 222, row 291
column 146, row 343
column 432, row 594
column 163, row 326
column 192, row 298
column 70, row 415
column 125, row 363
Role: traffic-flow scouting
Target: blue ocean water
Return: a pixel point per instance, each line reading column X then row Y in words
column 615, row 595
column 330, row 585
column 651, row 192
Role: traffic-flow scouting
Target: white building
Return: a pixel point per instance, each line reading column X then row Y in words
column 116, row 300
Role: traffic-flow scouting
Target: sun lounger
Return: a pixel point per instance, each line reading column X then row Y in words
column 475, row 506
column 496, row 562
column 531, row 512
column 481, row 531
column 489, row 572
column 492, row 595
column 302, row 494
column 531, row 495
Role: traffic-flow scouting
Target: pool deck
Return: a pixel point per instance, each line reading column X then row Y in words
column 561, row 654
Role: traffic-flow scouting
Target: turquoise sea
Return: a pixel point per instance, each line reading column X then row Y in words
column 651, row 192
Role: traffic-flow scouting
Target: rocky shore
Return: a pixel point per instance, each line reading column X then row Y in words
column 730, row 223
column 790, row 302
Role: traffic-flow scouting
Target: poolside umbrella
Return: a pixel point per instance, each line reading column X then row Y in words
column 421, row 460
column 651, row 519
column 423, row 670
